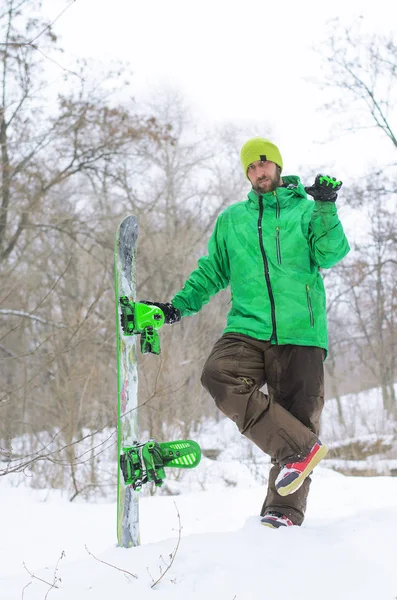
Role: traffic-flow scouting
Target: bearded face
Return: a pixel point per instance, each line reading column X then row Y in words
column 264, row 176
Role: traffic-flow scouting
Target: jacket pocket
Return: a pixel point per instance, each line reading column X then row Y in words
column 309, row 306
column 278, row 246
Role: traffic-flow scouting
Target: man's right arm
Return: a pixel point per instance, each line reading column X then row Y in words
column 211, row 276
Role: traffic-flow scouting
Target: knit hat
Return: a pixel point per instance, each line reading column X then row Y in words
column 259, row 149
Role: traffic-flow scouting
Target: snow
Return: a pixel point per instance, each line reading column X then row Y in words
column 210, row 527
column 363, row 414
column 345, row 548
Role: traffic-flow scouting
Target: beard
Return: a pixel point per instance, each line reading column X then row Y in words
column 267, row 184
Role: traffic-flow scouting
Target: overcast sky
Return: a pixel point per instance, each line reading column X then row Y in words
column 244, row 61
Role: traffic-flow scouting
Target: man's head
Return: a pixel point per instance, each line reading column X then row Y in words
column 262, row 164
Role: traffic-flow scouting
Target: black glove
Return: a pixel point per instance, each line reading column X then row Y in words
column 171, row 314
column 324, row 188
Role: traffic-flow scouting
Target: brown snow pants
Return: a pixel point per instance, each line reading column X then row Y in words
column 283, row 423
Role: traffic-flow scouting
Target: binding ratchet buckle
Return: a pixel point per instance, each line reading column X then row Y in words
column 144, row 320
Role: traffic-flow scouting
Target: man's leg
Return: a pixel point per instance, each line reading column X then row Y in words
column 296, row 382
column 233, row 374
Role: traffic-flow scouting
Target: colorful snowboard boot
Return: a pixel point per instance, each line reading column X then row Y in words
column 292, row 475
column 275, row 520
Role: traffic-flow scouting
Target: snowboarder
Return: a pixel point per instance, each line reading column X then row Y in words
column 270, row 249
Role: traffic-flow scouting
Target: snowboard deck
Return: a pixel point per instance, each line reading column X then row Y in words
column 138, row 463
column 127, row 377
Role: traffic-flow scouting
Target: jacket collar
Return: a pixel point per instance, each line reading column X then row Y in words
column 292, row 190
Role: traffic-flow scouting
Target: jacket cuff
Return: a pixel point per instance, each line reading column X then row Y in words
column 325, row 207
column 179, row 304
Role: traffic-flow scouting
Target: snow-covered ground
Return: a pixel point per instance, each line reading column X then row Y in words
column 345, row 550
column 210, row 529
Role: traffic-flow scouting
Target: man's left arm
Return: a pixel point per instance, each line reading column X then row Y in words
column 327, row 241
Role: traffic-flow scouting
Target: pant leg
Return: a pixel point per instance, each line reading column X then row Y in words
column 233, row 374
column 296, row 382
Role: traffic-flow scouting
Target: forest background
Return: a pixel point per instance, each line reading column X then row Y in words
column 80, row 154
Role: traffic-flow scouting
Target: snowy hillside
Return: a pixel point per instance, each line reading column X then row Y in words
column 363, row 414
column 210, row 530
column 367, row 438
column 345, row 550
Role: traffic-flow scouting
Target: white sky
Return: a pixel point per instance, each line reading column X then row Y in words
column 247, row 62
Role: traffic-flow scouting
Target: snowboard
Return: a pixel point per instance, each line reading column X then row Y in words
column 138, row 463
column 127, row 377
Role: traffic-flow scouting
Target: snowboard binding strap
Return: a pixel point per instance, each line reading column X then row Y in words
column 143, row 319
column 143, row 463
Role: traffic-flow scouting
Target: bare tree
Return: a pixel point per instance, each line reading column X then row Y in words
column 365, row 294
column 362, row 68
column 56, row 299
column 69, row 175
column 361, row 72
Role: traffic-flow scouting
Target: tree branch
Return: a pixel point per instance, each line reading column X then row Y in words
column 172, row 555
column 110, row 565
column 21, row 313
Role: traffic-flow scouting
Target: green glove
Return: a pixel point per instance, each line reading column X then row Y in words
column 324, row 188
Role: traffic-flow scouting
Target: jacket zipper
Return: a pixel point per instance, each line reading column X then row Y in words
column 278, row 248
column 309, row 305
column 267, row 276
column 277, row 205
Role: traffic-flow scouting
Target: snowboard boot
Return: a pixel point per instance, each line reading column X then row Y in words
column 292, row 475
column 275, row 520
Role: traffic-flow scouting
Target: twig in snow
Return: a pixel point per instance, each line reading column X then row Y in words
column 51, row 585
column 109, row 565
column 24, row 588
column 33, row 576
column 56, row 578
column 172, row 555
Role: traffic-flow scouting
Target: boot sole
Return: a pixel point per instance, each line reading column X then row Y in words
column 269, row 525
column 295, row 485
column 273, row 524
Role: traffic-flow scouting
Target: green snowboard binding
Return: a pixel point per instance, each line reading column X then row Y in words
column 142, row 319
column 144, row 463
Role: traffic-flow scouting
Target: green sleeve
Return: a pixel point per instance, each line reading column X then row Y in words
column 211, row 276
column 327, row 240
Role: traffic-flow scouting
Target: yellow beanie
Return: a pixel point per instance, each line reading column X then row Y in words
column 259, row 149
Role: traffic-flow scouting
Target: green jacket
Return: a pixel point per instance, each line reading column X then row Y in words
column 270, row 249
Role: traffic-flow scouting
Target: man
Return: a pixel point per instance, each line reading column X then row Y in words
column 269, row 249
